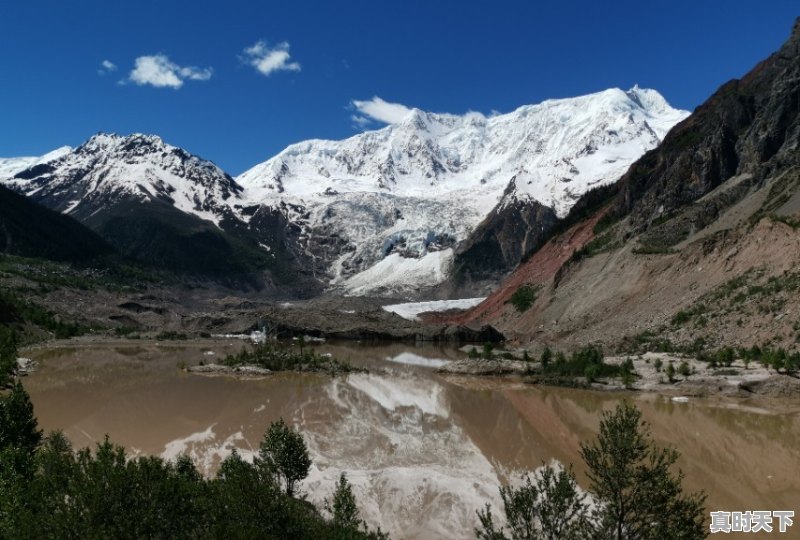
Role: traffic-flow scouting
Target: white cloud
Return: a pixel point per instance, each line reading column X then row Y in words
column 360, row 122
column 380, row 110
column 267, row 59
column 161, row 72
column 106, row 66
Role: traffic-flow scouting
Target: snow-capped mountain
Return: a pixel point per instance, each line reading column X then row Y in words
column 414, row 190
column 382, row 211
column 108, row 168
column 161, row 205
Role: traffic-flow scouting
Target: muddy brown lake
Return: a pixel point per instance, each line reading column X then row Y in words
column 423, row 451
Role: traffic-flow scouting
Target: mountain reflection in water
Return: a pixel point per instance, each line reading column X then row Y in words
column 423, row 452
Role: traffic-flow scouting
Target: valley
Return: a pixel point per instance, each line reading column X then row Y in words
column 434, row 306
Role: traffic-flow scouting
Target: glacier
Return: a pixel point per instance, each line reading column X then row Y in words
column 381, row 212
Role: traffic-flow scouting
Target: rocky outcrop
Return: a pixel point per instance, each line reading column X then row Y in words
column 512, row 231
column 750, row 126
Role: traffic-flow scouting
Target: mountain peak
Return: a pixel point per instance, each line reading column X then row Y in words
column 102, row 140
column 425, row 183
column 648, row 99
column 109, row 168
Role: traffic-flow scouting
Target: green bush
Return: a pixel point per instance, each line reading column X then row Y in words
column 670, row 372
column 273, row 356
column 171, row 335
column 657, row 364
column 684, row 370
column 524, row 297
column 681, row 317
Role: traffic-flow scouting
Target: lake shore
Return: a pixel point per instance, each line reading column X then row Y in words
column 736, row 381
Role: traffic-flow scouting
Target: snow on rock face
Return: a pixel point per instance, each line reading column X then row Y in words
column 396, row 273
column 411, row 310
column 11, row 166
column 425, row 183
column 109, row 167
column 430, row 155
column 384, row 210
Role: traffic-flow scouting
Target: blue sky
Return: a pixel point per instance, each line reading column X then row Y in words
column 235, row 82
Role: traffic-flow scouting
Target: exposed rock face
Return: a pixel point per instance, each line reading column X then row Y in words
column 501, row 241
column 748, row 127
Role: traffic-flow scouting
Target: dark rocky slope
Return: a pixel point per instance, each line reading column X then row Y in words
column 750, row 128
column 28, row 230
column 161, row 206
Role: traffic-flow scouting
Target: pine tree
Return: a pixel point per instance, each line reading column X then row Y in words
column 283, row 452
column 637, row 495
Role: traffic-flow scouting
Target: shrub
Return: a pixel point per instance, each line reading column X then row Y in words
column 171, row 335
column 547, row 356
column 670, row 372
column 681, row 317
column 591, row 372
column 683, row 369
column 524, row 297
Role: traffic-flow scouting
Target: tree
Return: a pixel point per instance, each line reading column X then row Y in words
column 8, row 356
column 627, row 373
column 344, row 508
column 550, row 507
column 670, row 372
column 725, row 356
column 547, row 357
column 684, row 370
column 560, row 359
column 20, row 437
column 637, row 495
column 283, row 452
column 591, row 372
column 18, row 427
